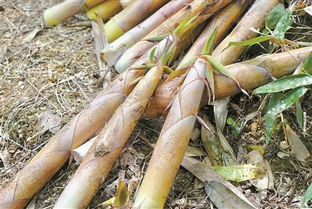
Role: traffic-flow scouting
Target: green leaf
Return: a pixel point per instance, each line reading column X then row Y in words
column 307, row 196
column 222, row 69
column 211, row 83
column 272, row 100
column 236, row 126
column 287, row 101
column 308, row 64
column 299, row 114
column 270, row 120
column 122, row 195
column 176, row 73
column 170, row 51
column 168, row 69
column 239, row 173
column 186, row 25
column 285, row 83
column 270, row 123
column 277, row 106
column 157, row 38
column 250, row 42
column 283, row 25
column 152, row 55
column 209, row 45
column 274, row 16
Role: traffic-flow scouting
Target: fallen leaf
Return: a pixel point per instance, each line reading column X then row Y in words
column 227, row 152
column 31, row 35
column 297, row 147
column 239, row 173
column 49, row 121
column 308, row 10
column 223, row 197
column 194, row 152
column 211, row 143
column 267, row 181
column 221, row 192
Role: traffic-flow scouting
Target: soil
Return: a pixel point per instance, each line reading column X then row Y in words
column 53, row 72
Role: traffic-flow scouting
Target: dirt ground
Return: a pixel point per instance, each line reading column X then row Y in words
column 53, row 72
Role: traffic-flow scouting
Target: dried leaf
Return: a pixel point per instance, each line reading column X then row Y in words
column 221, row 192
column 224, row 198
column 49, row 121
column 194, row 152
column 227, row 152
column 220, row 110
column 31, row 35
column 297, row 147
column 308, row 10
column 211, row 143
column 267, row 181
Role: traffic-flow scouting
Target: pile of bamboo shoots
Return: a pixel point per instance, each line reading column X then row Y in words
column 145, row 38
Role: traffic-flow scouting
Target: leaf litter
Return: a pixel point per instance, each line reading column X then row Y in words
column 27, row 67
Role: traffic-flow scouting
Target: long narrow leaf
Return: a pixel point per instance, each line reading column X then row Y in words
column 307, row 196
column 285, row 83
column 210, row 43
column 287, row 100
column 308, row 64
column 251, row 42
column 299, row 115
column 283, row 25
column 239, row 173
column 270, row 122
column 221, row 192
column 274, row 16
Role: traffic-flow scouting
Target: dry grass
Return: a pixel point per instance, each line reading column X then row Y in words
column 55, row 69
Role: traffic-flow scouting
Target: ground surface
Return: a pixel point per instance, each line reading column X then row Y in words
column 53, row 72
